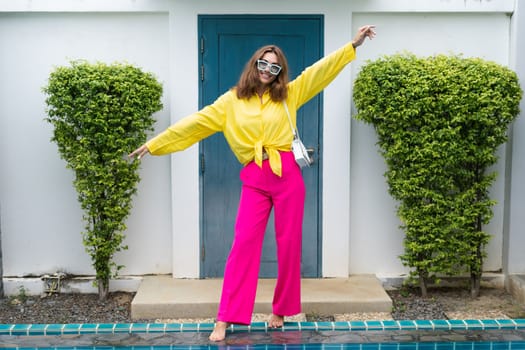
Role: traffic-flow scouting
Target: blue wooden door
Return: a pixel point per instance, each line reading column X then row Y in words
column 226, row 44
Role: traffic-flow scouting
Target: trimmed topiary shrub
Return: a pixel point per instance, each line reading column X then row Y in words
column 100, row 113
column 439, row 121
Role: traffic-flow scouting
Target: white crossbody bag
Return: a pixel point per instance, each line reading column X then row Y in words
column 301, row 154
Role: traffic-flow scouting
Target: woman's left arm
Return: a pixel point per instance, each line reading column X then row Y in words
column 317, row 76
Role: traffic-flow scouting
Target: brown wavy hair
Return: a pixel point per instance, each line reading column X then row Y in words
column 249, row 81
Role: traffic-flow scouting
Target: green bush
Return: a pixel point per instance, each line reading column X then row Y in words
column 100, row 113
column 439, row 121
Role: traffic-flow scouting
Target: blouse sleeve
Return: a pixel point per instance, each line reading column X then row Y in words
column 190, row 129
column 317, row 76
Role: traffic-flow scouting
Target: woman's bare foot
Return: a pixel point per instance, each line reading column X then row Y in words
column 219, row 331
column 276, row 321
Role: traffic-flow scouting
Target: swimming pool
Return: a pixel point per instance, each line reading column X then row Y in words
column 363, row 335
column 381, row 346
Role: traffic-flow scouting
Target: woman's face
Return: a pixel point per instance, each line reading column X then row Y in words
column 266, row 65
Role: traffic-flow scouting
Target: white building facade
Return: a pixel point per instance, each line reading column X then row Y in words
column 40, row 218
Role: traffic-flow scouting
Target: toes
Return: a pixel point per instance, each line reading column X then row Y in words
column 219, row 331
column 276, row 321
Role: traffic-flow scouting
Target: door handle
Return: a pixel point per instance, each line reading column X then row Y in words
column 311, row 152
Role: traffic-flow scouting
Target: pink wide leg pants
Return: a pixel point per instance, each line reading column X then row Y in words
column 262, row 189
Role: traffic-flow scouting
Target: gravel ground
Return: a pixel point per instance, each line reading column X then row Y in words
column 442, row 303
column 455, row 303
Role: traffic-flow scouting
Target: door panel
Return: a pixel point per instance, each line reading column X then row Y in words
column 227, row 43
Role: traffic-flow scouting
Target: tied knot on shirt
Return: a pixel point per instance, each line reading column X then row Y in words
column 274, row 157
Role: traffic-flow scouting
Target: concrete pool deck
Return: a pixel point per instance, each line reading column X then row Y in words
column 163, row 297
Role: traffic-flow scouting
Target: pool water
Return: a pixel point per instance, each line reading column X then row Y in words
column 500, row 334
column 505, row 345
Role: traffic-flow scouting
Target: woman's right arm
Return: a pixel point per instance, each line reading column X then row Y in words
column 187, row 131
column 139, row 152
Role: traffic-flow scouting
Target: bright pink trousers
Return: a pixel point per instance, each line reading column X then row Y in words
column 262, row 190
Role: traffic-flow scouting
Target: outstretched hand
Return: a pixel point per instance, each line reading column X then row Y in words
column 364, row 32
column 139, row 152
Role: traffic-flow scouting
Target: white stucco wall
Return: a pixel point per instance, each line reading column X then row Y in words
column 514, row 238
column 40, row 216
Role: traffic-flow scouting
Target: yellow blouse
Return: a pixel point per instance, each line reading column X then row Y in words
column 251, row 125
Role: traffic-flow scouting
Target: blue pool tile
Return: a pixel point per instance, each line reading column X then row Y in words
column 259, row 326
column 497, row 346
column 337, row 326
column 390, row 325
column 425, row 346
column 53, row 329
column 520, row 323
column 327, row 325
column 176, row 327
column 291, row 326
column 407, row 324
column 20, row 329
column 357, row 326
column 122, row 328
column 309, row 326
column 457, row 324
column 5, row 329
column 206, row 327
column 489, row 324
column 441, row 324
column 473, row 324
column 388, row 346
column 71, row 328
column 139, row 327
column 374, row 325
column 240, row 328
column 159, row 328
column 191, row 327
column 105, row 328
column 506, row 324
column 88, row 328
column 424, row 324
column 36, row 329
column 365, row 346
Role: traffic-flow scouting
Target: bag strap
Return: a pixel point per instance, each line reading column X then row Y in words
column 295, row 133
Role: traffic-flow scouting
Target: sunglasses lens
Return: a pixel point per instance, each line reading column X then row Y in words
column 262, row 65
column 273, row 68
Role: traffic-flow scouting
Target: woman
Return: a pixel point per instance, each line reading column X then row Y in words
column 253, row 118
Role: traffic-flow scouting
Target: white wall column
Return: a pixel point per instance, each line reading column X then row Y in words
column 514, row 235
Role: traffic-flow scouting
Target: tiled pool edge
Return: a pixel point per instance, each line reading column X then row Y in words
column 386, row 325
